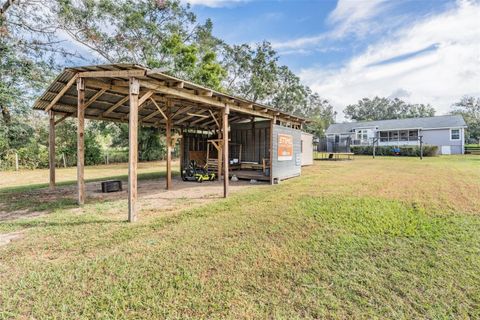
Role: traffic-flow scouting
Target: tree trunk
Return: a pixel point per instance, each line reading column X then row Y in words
column 6, row 115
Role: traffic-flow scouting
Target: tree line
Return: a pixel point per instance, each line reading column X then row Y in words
column 38, row 38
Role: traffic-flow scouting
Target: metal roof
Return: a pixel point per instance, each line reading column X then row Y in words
column 192, row 104
column 449, row 121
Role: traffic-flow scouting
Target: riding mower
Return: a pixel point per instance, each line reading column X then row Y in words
column 196, row 173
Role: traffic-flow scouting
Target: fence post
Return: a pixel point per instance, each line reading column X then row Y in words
column 64, row 160
column 16, row 161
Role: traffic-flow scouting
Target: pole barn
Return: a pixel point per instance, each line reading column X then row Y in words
column 231, row 135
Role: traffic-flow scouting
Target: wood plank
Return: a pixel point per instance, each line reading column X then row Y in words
column 51, row 150
column 272, row 122
column 65, row 116
column 141, row 102
column 225, row 113
column 159, row 109
column 115, row 106
column 62, row 92
column 81, row 140
column 201, row 99
column 112, row 74
column 214, row 118
column 168, row 130
column 133, row 150
column 94, row 98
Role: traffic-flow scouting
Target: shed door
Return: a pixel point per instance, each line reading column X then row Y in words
column 446, row 150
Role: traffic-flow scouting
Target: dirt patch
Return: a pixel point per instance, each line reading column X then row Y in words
column 6, row 238
column 152, row 197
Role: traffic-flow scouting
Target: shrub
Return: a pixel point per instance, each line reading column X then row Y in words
column 408, row 151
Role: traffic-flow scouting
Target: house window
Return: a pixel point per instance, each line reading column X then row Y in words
column 413, row 135
column 383, row 136
column 362, row 135
column 393, row 135
column 455, row 134
column 403, row 135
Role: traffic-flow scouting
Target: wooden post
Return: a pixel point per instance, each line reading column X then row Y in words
column 134, row 89
column 168, row 133
column 225, row 114
column 219, row 150
column 16, row 161
column 182, row 151
column 252, row 123
column 81, row 140
column 51, row 149
column 272, row 123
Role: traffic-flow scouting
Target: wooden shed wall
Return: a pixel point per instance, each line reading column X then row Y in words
column 254, row 138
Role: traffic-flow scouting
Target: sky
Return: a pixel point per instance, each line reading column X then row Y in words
column 421, row 51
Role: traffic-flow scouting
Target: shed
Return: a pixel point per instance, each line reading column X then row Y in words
column 232, row 135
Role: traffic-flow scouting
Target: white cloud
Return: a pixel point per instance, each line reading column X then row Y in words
column 348, row 17
column 215, row 3
column 439, row 76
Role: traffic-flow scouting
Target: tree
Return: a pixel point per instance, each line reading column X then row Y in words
column 157, row 34
column 385, row 109
column 252, row 73
column 320, row 113
column 469, row 108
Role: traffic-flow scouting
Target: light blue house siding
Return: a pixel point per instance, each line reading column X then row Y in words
column 442, row 139
column 446, row 132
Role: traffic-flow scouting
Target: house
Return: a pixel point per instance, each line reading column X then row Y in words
column 446, row 132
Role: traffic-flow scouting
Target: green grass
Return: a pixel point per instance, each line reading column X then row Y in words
column 386, row 238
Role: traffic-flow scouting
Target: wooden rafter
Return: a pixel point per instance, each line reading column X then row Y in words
column 61, row 93
column 214, row 118
column 94, row 98
column 65, row 116
column 159, row 110
column 115, row 106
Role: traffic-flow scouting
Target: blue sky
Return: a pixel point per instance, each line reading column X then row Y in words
column 423, row 51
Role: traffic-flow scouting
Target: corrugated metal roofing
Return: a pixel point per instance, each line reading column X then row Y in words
column 449, row 121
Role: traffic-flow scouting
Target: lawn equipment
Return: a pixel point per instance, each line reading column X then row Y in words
column 196, row 173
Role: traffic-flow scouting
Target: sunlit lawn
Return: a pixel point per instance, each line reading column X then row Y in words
column 385, row 238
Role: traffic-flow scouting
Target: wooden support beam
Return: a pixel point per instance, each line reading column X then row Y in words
column 214, row 118
column 200, row 99
column 208, row 93
column 141, row 102
column 94, row 98
column 168, row 130
column 225, row 113
column 178, row 84
column 183, row 119
column 81, row 140
column 112, row 74
column 65, row 116
column 198, row 115
column 115, row 106
column 62, row 92
column 51, row 150
column 219, row 148
column 160, row 109
column 134, row 89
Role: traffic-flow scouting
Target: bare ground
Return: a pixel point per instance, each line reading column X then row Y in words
column 153, row 197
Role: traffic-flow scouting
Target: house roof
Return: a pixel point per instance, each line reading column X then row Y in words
column 107, row 90
column 449, row 121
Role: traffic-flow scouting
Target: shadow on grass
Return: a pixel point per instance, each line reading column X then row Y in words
column 34, row 200
column 31, row 187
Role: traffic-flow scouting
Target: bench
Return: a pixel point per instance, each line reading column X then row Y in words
column 336, row 155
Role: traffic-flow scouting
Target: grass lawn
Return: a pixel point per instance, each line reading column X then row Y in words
column 385, row 238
